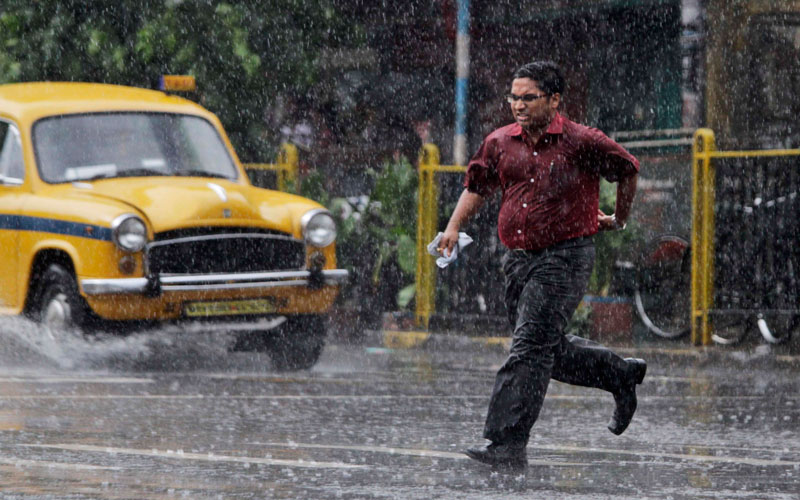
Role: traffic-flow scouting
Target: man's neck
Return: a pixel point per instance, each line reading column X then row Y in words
column 535, row 133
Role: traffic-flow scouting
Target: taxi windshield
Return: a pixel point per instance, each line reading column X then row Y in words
column 94, row 146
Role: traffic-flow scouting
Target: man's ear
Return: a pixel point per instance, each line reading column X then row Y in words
column 555, row 100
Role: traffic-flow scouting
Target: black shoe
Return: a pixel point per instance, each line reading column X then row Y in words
column 625, row 398
column 500, row 455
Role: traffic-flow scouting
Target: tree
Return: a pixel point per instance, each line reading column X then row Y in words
column 242, row 54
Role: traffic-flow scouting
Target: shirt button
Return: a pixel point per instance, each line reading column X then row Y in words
column 531, row 179
column 524, row 205
column 535, row 153
column 519, row 231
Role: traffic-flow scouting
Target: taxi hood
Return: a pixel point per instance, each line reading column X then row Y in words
column 180, row 202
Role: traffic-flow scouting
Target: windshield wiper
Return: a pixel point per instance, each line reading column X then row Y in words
column 200, row 173
column 147, row 172
column 134, row 172
column 94, row 177
column 141, row 172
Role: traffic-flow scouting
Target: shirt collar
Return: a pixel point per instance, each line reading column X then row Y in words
column 556, row 127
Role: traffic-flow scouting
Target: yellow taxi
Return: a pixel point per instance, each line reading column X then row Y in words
column 124, row 205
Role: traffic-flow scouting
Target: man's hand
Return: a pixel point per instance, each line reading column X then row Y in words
column 468, row 204
column 448, row 242
column 605, row 222
column 626, row 190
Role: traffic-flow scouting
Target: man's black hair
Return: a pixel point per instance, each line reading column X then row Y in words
column 546, row 74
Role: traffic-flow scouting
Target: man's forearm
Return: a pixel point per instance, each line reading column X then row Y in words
column 467, row 206
column 626, row 191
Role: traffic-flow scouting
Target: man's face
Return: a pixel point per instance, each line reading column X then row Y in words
column 537, row 113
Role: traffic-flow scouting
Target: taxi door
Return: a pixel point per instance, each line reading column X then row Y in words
column 12, row 177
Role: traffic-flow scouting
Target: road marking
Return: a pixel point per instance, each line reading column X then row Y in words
column 414, row 452
column 254, row 378
column 208, row 457
column 695, row 446
column 181, row 455
column 412, row 339
column 570, row 449
column 213, row 397
column 16, row 462
column 352, row 397
column 678, row 456
column 77, row 380
column 668, row 378
column 265, row 377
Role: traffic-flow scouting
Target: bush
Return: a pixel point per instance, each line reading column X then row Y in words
column 608, row 244
column 377, row 238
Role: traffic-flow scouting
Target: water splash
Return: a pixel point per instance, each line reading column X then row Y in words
column 29, row 345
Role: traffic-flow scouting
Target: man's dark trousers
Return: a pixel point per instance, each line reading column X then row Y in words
column 543, row 289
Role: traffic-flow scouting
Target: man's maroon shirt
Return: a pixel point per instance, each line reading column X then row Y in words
column 551, row 188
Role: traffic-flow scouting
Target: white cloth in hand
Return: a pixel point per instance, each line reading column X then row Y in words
column 444, row 260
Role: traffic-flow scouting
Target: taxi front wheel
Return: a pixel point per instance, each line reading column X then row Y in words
column 298, row 344
column 294, row 345
column 59, row 306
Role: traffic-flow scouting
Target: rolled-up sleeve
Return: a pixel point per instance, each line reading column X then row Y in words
column 482, row 177
column 611, row 160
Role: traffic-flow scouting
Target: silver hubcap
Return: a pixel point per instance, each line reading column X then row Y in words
column 57, row 312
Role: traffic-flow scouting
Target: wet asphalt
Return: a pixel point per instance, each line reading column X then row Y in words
column 169, row 415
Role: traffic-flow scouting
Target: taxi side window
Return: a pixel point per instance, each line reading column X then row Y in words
column 12, row 168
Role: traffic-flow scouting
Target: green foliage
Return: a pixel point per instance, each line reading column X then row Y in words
column 396, row 193
column 242, row 53
column 377, row 232
column 609, row 243
column 407, row 254
column 313, row 186
column 405, row 295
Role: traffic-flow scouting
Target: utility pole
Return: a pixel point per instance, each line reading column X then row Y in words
column 462, row 83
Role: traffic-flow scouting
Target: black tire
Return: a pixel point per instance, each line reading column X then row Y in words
column 58, row 304
column 663, row 286
column 296, row 344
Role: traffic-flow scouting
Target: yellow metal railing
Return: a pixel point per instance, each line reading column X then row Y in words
column 702, row 234
column 427, row 223
column 703, row 198
column 703, row 226
column 285, row 167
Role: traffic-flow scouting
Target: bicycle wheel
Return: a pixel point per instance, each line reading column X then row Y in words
column 730, row 329
column 663, row 286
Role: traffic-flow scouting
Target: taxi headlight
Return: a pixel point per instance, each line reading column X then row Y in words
column 129, row 232
column 319, row 228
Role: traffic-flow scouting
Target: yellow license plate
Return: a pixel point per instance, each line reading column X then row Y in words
column 229, row 307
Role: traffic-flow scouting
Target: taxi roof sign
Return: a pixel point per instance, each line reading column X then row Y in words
column 177, row 83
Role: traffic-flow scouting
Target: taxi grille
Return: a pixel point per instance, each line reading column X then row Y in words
column 227, row 250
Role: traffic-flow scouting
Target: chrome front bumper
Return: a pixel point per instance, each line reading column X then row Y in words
column 210, row 282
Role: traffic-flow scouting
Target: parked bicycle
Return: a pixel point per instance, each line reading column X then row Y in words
column 663, row 286
column 662, row 293
column 757, row 268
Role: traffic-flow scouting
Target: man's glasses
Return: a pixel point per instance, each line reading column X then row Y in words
column 524, row 98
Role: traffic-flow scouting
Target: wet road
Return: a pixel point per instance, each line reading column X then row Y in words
column 162, row 415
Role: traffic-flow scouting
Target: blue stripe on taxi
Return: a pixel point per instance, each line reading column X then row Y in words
column 55, row 226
